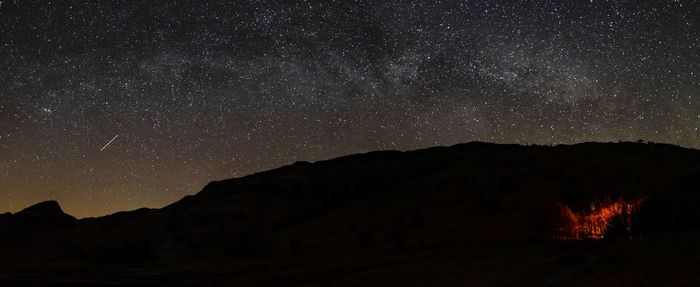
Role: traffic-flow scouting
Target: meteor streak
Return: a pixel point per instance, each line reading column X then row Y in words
column 115, row 137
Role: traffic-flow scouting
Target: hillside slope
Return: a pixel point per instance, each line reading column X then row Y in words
column 432, row 201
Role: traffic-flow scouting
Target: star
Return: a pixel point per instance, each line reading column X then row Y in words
column 190, row 86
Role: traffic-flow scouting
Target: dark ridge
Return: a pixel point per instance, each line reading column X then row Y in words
column 467, row 198
column 34, row 224
column 47, row 213
column 46, row 208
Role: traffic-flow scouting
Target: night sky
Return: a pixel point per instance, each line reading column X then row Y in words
column 197, row 91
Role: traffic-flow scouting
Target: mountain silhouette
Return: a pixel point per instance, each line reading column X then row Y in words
column 47, row 213
column 34, row 223
column 365, row 213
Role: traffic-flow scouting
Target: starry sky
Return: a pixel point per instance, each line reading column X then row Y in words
column 196, row 91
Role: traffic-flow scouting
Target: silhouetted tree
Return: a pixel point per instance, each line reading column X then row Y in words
column 619, row 226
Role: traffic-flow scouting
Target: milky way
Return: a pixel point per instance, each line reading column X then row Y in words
column 200, row 91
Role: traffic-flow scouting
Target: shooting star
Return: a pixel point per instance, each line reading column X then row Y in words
column 115, row 137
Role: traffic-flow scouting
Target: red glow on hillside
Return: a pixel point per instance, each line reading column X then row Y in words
column 595, row 222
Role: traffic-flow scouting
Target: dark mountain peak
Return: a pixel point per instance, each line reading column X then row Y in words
column 45, row 213
column 42, row 208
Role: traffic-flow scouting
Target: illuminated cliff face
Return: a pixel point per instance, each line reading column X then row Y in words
column 595, row 222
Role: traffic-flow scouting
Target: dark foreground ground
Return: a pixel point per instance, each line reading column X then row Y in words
column 670, row 259
column 475, row 214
